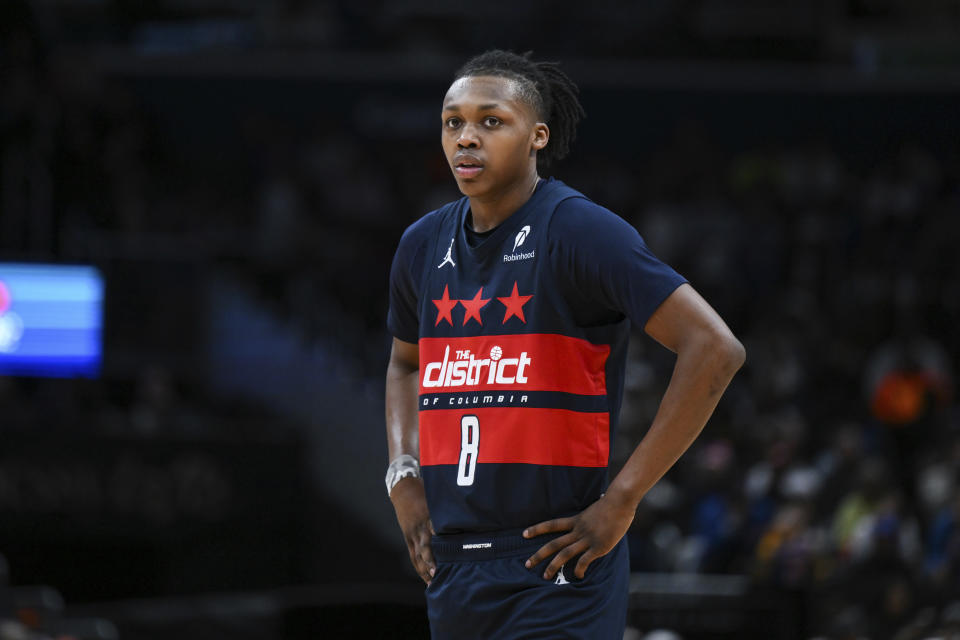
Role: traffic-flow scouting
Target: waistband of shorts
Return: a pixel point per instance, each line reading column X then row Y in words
column 486, row 546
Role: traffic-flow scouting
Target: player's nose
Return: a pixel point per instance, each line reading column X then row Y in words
column 468, row 139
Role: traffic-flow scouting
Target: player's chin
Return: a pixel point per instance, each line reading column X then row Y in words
column 470, row 186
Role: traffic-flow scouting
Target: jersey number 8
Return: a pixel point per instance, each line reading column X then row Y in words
column 469, row 445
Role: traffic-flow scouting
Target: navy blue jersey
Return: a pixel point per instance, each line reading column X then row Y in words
column 522, row 341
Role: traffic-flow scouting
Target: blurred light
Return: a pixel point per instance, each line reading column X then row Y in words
column 50, row 320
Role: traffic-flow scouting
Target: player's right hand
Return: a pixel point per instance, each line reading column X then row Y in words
column 410, row 502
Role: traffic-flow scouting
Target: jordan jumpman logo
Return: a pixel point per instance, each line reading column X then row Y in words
column 449, row 257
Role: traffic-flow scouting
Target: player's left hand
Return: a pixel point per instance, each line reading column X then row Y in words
column 593, row 532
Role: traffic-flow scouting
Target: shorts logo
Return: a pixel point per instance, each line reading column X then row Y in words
column 561, row 579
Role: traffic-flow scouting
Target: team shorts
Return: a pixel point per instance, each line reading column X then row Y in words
column 482, row 590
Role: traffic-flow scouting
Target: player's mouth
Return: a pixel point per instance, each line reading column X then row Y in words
column 467, row 166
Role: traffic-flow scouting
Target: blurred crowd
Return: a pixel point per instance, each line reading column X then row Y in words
column 831, row 468
column 36, row 613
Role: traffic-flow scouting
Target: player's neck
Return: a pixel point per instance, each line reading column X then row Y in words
column 490, row 210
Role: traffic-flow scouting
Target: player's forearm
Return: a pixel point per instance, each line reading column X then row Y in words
column 401, row 410
column 702, row 372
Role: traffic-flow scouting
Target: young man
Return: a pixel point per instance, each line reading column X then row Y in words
column 510, row 312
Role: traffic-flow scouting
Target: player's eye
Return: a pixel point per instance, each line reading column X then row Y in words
column 491, row 121
column 452, row 123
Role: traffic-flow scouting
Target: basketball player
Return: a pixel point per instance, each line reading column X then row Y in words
column 510, row 310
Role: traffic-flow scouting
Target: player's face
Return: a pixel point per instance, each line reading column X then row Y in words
column 490, row 136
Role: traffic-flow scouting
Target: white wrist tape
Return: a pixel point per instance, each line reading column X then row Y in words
column 403, row 466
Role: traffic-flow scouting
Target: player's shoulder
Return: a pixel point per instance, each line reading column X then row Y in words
column 580, row 217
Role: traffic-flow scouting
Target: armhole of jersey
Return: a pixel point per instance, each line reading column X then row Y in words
column 552, row 271
column 430, row 251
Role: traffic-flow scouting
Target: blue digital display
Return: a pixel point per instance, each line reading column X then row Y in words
column 51, row 320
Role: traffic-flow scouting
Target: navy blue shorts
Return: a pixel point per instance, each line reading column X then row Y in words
column 482, row 590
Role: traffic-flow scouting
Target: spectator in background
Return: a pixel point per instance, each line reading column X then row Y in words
column 941, row 562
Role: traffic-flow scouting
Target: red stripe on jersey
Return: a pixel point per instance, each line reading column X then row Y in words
column 532, row 361
column 518, row 435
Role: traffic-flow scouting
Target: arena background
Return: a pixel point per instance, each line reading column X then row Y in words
column 240, row 173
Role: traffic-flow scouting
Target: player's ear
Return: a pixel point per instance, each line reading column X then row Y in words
column 541, row 135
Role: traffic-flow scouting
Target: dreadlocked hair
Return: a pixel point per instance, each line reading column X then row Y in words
column 551, row 93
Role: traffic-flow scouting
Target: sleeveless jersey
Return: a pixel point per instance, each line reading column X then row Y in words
column 518, row 398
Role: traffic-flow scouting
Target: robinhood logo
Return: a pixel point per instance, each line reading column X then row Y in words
column 524, row 232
